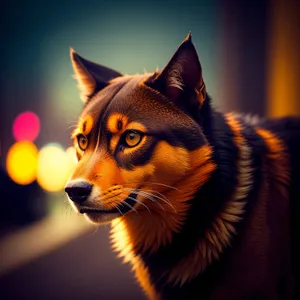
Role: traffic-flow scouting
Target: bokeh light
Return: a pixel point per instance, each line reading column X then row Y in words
column 21, row 162
column 54, row 167
column 26, row 126
column 72, row 154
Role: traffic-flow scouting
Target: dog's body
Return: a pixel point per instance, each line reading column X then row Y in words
column 204, row 205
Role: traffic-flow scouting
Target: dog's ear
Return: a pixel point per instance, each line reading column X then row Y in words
column 182, row 76
column 90, row 76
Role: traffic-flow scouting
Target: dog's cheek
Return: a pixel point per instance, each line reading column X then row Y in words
column 171, row 163
column 138, row 176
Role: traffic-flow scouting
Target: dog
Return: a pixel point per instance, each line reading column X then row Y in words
column 202, row 204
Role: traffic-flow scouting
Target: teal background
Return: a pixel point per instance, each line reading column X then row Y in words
column 128, row 36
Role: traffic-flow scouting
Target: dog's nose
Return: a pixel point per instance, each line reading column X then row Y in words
column 78, row 191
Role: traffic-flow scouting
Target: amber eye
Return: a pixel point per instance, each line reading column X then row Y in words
column 132, row 138
column 82, row 142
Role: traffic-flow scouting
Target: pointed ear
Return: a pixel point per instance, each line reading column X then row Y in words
column 90, row 76
column 182, row 76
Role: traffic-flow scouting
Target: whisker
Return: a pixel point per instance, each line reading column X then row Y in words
column 157, row 193
column 68, row 210
column 153, row 200
column 157, row 183
column 162, row 199
column 119, row 198
column 128, row 205
column 140, row 202
column 96, row 230
column 148, row 197
column 163, row 196
column 162, row 184
column 72, row 126
column 119, row 211
column 98, row 141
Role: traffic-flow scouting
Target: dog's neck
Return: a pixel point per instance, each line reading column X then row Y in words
column 146, row 232
column 152, row 236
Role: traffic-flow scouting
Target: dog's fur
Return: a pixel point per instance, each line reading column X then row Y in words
column 206, row 204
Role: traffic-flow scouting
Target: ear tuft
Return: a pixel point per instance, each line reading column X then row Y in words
column 182, row 75
column 91, row 77
column 85, row 81
column 189, row 37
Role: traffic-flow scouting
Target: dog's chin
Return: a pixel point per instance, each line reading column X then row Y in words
column 101, row 218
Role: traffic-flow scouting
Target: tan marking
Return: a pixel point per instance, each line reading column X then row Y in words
column 136, row 126
column 75, row 132
column 279, row 159
column 113, row 122
column 219, row 235
column 87, row 125
column 201, row 94
column 84, row 126
column 114, row 142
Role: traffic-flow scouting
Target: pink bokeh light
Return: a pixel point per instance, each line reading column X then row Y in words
column 26, row 126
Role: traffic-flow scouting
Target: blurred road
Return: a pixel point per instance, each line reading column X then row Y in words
column 85, row 268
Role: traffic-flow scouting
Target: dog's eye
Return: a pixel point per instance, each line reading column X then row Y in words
column 82, row 142
column 132, row 138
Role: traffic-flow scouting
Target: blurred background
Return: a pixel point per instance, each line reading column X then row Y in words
column 249, row 51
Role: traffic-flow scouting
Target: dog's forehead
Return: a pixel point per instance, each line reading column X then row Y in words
column 127, row 96
column 130, row 97
column 97, row 105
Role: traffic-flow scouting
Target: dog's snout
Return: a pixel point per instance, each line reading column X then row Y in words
column 78, row 191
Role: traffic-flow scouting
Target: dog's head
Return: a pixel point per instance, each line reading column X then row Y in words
column 137, row 136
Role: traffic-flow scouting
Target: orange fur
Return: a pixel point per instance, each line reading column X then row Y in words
column 136, row 126
column 142, row 275
column 149, row 231
column 219, row 235
column 280, row 160
column 201, row 94
column 85, row 126
column 113, row 121
column 105, row 174
column 114, row 142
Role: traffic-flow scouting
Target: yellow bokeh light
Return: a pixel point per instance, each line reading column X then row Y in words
column 72, row 154
column 54, row 167
column 21, row 162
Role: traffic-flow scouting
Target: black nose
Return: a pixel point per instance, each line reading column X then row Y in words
column 78, row 191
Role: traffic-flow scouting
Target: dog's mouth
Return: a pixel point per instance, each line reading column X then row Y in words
column 122, row 208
